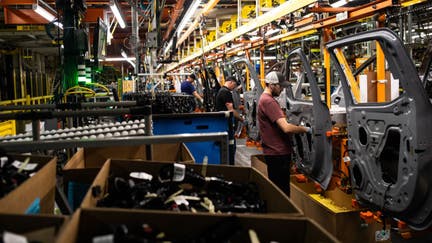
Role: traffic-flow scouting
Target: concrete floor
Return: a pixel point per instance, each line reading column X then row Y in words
column 243, row 153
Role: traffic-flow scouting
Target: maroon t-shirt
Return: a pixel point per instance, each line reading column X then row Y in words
column 274, row 140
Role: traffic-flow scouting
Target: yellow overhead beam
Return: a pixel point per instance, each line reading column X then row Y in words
column 411, row 2
column 348, row 73
column 292, row 35
column 276, row 13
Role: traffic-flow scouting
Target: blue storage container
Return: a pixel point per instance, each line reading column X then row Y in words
column 196, row 123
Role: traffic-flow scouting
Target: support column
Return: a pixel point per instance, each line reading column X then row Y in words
column 409, row 31
column 381, row 69
column 327, row 68
column 262, row 65
column 135, row 34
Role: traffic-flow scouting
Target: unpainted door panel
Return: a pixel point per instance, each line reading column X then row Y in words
column 390, row 143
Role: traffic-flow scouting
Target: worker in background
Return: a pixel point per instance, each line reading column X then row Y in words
column 276, row 132
column 225, row 102
column 188, row 87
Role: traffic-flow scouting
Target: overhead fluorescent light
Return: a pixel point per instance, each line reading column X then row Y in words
column 266, row 58
column 168, row 47
column 339, row 3
column 272, row 32
column 313, row 38
column 46, row 15
column 188, row 15
column 115, row 8
column 118, row 59
column 124, row 55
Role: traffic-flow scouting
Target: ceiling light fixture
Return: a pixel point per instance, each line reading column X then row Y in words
column 168, row 47
column 266, row 58
column 204, row 12
column 46, row 15
column 115, row 8
column 272, row 32
column 339, row 3
column 188, row 15
column 124, row 55
column 118, row 59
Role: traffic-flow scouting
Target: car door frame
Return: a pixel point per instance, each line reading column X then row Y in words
column 373, row 128
column 312, row 152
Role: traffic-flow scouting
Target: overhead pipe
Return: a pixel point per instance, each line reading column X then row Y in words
column 177, row 9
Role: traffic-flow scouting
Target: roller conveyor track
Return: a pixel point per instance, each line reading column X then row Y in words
column 28, row 146
column 105, row 130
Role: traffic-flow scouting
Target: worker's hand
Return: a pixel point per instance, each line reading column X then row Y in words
column 308, row 130
column 201, row 101
column 245, row 122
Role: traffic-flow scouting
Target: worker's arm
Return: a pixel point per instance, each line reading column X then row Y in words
column 195, row 93
column 230, row 107
column 290, row 128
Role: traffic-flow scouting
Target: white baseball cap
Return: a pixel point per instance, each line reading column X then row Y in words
column 274, row 77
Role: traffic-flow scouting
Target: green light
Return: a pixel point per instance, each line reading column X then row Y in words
column 82, row 79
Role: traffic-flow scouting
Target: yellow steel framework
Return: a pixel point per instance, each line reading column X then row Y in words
column 27, row 100
column 276, row 13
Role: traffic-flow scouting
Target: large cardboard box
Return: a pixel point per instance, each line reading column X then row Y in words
column 343, row 221
column 96, row 157
column 80, row 171
column 258, row 162
column 87, row 223
column 37, row 192
column 368, row 87
column 277, row 202
column 36, row 228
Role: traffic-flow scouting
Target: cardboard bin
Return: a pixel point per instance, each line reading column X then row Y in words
column 277, row 202
column 87, row 223
column 258, row 162
column 36, row 228
column 333, row 212
column 80, row 171
column 36, row 194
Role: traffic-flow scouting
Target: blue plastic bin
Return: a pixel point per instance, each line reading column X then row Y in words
column 196, row 123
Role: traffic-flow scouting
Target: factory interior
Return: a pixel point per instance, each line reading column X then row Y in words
column 215, row 121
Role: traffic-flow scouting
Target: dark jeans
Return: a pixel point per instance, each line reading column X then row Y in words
column 278, row 168
column 232, row 151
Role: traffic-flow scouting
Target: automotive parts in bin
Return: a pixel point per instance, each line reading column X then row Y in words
column 180, row 188
column 164, row 102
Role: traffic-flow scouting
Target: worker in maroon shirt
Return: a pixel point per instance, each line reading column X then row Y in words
column 276, row 132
